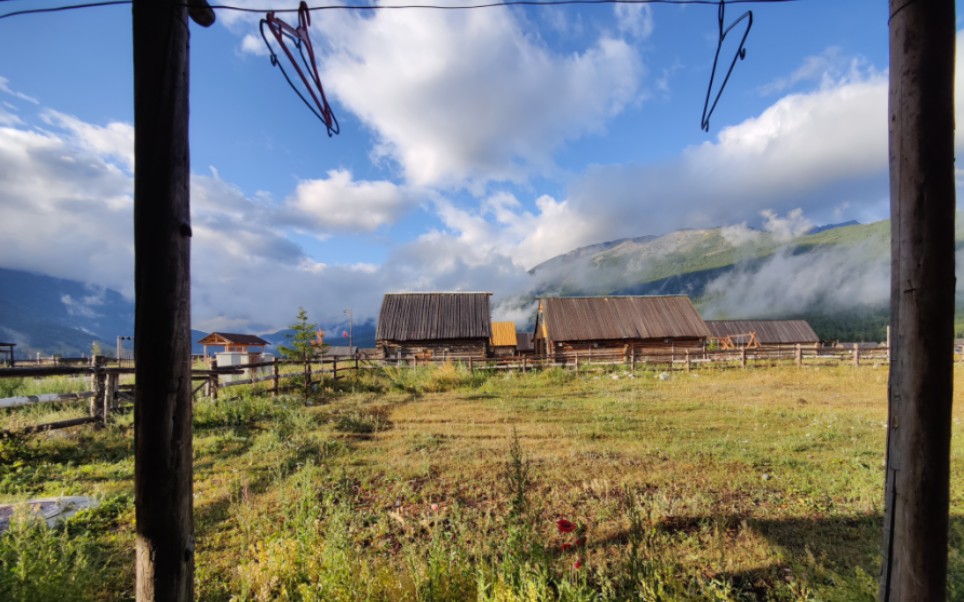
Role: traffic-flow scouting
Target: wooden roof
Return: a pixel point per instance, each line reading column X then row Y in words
column 768, row 332
column 616, row 318
column 230, row 338
column 503, row 334
column 524, row 341
column 434, row 316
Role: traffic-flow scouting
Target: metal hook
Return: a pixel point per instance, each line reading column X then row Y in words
column 740, row 54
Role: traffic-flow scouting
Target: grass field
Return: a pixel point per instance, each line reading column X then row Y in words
column 440, row 484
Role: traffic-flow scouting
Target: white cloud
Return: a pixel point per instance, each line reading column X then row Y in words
column 115, row 140
column 785, row 229
column 634, row 19
column 6, row 89
column 829, row 68
column 340, row 203
column 814, row 150
column 463, row 98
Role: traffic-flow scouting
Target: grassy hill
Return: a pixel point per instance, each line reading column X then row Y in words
column 838, row 278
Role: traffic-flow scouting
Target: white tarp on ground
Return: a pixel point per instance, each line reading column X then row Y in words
column 53, row 510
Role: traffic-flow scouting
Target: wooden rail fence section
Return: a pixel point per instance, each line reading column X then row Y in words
column 106, row 394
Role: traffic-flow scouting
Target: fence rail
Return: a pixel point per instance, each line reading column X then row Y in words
column 106, row 394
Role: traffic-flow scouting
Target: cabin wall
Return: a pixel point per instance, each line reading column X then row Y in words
column 626, row 348
column 448, row 348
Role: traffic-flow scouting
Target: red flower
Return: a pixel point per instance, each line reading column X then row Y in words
column 581, row 541
column 565, row 526
column 566, row 546
column 577, row 564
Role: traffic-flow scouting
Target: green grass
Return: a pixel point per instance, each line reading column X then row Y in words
column 443, row 484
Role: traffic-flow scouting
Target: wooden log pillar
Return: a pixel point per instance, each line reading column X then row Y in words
column 743, row 357
column 798, row 353
column 98, row 386
column 276, row 373
column 922, row 206
column 163, row 470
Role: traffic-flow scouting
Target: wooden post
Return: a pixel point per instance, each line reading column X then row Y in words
column 163, row 467
column 633, row 359
column 98, row 386
column 922, row 208
column 687, row 361
column 525, row 364
column 799, row 355
column 743, row 357
column 577, row 361
column 856, row 354
column 276, row 372
column 110, row 400
column 334, row 369
column 471, row 365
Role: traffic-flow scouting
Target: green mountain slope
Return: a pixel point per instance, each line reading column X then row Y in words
column 838, row 278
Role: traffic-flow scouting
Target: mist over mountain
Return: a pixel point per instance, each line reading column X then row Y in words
column 836, row 277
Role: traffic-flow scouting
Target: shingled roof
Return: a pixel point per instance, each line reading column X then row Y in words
column 616, row 318
column 434, row 316
column 768, row 332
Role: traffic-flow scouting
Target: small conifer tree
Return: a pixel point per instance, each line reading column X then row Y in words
column 302, row 346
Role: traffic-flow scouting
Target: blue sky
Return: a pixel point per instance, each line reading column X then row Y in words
column 474, row 144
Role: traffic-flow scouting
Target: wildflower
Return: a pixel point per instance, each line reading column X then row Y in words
column 566, row 546
column 565, row 526
column 581, row 541
column 577, row 564
column 434, row 507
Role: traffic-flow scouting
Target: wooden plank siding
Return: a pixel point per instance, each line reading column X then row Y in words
column 447, row 324
column 769, row 333
column 632, row 325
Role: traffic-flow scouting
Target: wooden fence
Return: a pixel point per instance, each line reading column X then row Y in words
column 666, row 360
column 107, row 394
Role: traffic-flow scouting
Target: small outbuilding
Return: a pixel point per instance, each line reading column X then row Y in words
column 439, row 325
column 504, row 340
column 631, row 325
column 234, row 343
column 524, row 344
column 763, row 334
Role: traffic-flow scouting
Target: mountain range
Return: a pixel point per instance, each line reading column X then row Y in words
column 837, row 277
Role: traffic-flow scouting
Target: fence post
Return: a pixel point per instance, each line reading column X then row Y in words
column 213, row 379
column 113, row 385
column 856, row 355
column 334, row 369
column 799, row 355
column 687, row 361
column 743, row 357
column 98, row 386
column 633, row 359
column 471, row 365
column 577, row 361
column 525, row 364
column 277, row 377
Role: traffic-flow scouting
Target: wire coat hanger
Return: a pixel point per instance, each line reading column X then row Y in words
column 302, row 41
column 740, row 54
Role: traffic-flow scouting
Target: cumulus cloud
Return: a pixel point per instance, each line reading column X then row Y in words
column 114, row 140
column 341, row 203
column 819, row 150
column 462, row 98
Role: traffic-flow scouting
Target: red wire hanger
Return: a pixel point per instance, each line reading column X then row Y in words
column 299, row 37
